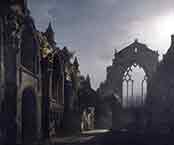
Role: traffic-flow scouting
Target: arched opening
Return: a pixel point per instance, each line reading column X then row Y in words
column 29, row 50
column 29, row 113
column 57, row 80
column 87, row 119
column 134, row 86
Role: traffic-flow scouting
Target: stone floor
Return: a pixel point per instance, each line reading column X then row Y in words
column 83, row 138
column 104, row 137
column 99, row 137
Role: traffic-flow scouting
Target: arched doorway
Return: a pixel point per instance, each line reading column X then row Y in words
column 134, row 86
column 29, row 113
column 87, row 119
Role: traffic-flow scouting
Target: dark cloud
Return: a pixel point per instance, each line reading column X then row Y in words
column 94, row 28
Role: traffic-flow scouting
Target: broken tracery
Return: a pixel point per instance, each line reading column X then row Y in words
column 134, row 86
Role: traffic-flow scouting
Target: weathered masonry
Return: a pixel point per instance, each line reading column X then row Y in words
column 123, row 78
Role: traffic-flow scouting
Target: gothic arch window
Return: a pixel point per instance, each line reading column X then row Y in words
column 57, row 80
column 135, row 49
column 134, row 86
column 29, row 50
column 29, row 115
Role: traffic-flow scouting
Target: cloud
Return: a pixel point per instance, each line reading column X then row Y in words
column 94, row 28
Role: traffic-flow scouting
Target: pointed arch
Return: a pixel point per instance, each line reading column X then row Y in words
column 29, row 115
column 134, row 86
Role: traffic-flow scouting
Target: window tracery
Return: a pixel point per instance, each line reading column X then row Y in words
column 134, row 86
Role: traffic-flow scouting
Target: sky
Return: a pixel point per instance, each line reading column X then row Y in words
column 94, row 28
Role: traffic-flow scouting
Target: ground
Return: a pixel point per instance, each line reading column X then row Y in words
column 86, row 137
column 103, row 137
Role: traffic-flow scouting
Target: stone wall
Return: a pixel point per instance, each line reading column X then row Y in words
column 135, row 53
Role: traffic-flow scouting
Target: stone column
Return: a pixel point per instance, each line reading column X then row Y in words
column 10, row 79
column 1, row 61
column 45, row 99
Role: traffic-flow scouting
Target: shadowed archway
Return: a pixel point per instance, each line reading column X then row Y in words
column 29, row 114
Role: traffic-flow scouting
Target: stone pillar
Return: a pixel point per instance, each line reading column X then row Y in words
column 63, row 88
column 50, row 83
column 10, row 79
column 1, row 61
column 45, row 99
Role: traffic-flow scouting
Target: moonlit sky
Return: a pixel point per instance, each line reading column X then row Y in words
column 94, row 28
